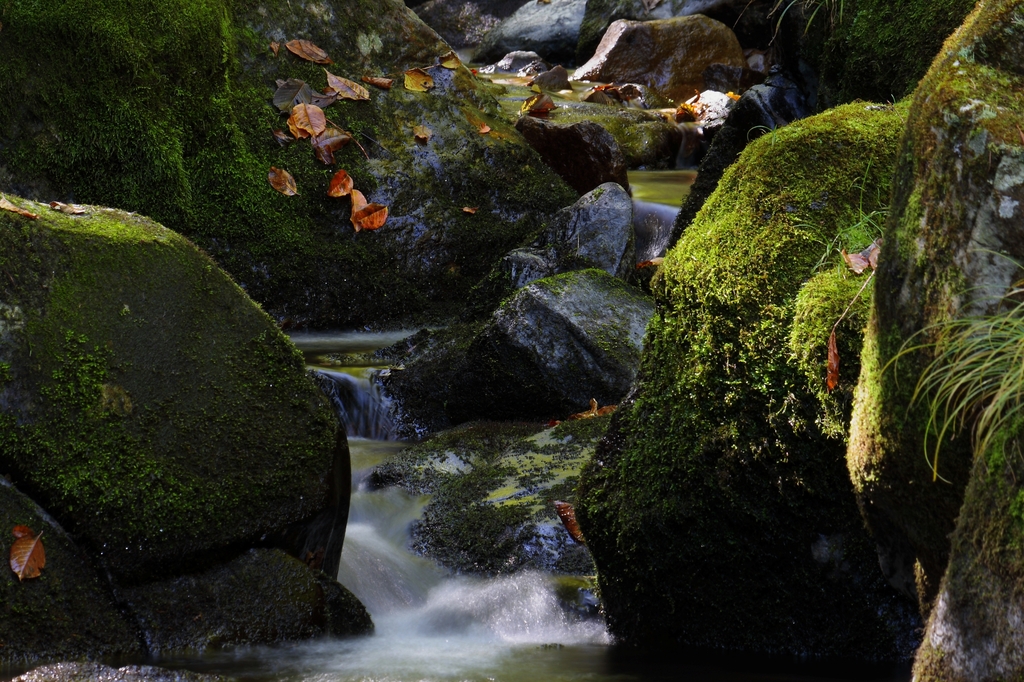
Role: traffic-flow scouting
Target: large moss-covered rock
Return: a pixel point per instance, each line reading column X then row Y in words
column 718, row 508
column 144, row 400
column 171, row 116
column 953, row 244
column 64, row 613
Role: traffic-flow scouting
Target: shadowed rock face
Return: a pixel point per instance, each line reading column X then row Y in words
column 668, row 55
column 584, row 154
column 549, row 29
column 463, row 23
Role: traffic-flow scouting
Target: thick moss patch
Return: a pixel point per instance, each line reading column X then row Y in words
column 153, row 409
column 718, row 508
column 169, row 114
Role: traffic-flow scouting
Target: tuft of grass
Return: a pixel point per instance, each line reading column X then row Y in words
column 811, row 8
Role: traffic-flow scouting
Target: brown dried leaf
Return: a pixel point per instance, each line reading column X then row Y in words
column 470, row 209
column 647, row 263
column 450, row 60
column 275, row 47
column 70, row 209
column 28, row 557
column 370, row 217
column 328, row 142
column 872, row 252
column 291, row 92
column 307, row 120
column 586, row 414
column 358, row 202
column 382, row 83
column 418, row 80
column 484, row 128
column 538, row 105
column 282, row 137
column 308, row 51
column 282, row 181
column 8, row 206
column 341, row 185
column 345, row 88
column 832, row 379
column 422, row 134
column 568, row 516
column 855, row 261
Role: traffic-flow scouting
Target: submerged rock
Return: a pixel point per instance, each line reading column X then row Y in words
column 550, row 29
column 717, row 507
column 668, row 55
column 584, row 154
column 97, row 672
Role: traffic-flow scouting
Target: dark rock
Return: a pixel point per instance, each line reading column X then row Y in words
column 724, row 467
column 550, row 29
column 528, row 264
column 597, row 231
column 776, row 102
column 584, row 154
column 667, row 55
column 97, row 672
column 163, row 418
column 652, row 225
column 463, row 23
column 555, row 79
column 534, row 68
column 728, row 78
column 262, row 597
column 515, row 61
column 64, row 613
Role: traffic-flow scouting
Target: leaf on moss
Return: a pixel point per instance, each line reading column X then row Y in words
column 369, row 217
column 345, row 88
column 422, row 133
column 450, row 60
column 275, row 47
column 376, row 81
column 282, row 181
column 484, row 128
column 418, row 80
column 307, row 120
column 868, row 258
column 832, row 380
column 329, row 141
column 308, row 51
column 8, row 206
column 28, row 558
column 647, row 263
column 538, row 105
column 470, row 209
column 341, row 185
column 69, row 209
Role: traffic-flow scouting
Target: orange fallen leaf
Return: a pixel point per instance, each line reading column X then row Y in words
column 422, row 134
column 732, row 95
column 328, row 142
column 70, row 209
column 586, row 414
column 607, row 409
column 538, row 105
column 470, row 209
column 308, row 51
column 282, row 181
column 28, row 557
column 832, row 379
column 450, row 60
column 275, row 47
column 418, row 80
column 484, row 128
column 341, row 185
column 345, row 88
column 8, row 206
column 369, row 217
column 382, row 83
column 648, row 263
column 358, row 202
column 307, row 120
column 567, row 515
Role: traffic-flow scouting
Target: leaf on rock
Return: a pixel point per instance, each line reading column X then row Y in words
column 341, row 185
column 345, row 88
column 328, row 142
column 376, row 81
column 8, row 206
column 832, row 380
column 422, row 133
column 70, row 209
column 275, row 47
column 450, row 60
column 308, row 51
column 470, row 209
column 28, row 558
column 418, row 80
column 538, row 105
column 358, row 202
column 291, row 92
column 484, row 128
column 369, row 217
column 568, row 516
column 307, row 120
column 282, row 181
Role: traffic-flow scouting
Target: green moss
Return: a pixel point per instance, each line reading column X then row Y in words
column 725, row 468
column 171, row 117
column 152, row 408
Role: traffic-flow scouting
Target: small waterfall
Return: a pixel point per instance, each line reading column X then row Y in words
column 365, row 410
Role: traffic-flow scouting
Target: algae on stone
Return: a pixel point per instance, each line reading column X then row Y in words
column 718, row 509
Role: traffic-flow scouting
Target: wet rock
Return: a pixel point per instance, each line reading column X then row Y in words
column 597, row 231
column 463, row 23
column 492, row 488
column 262, row 597
column 550, row 29
column 727, row 78
column 523, row 266
column 67, row 612
column 163, row 418
column 667, row 55
column 584, row 154
column 724, row 467
column 515, row 61
column 97, row 672
column 555, row 79
column 652, row 225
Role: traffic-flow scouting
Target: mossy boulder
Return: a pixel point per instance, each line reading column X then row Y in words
column 718, row 507
column 953, row 245
column 171, row 117
column 145, row 401
column 492, row 488
column 262, row 597
column 66, row 612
